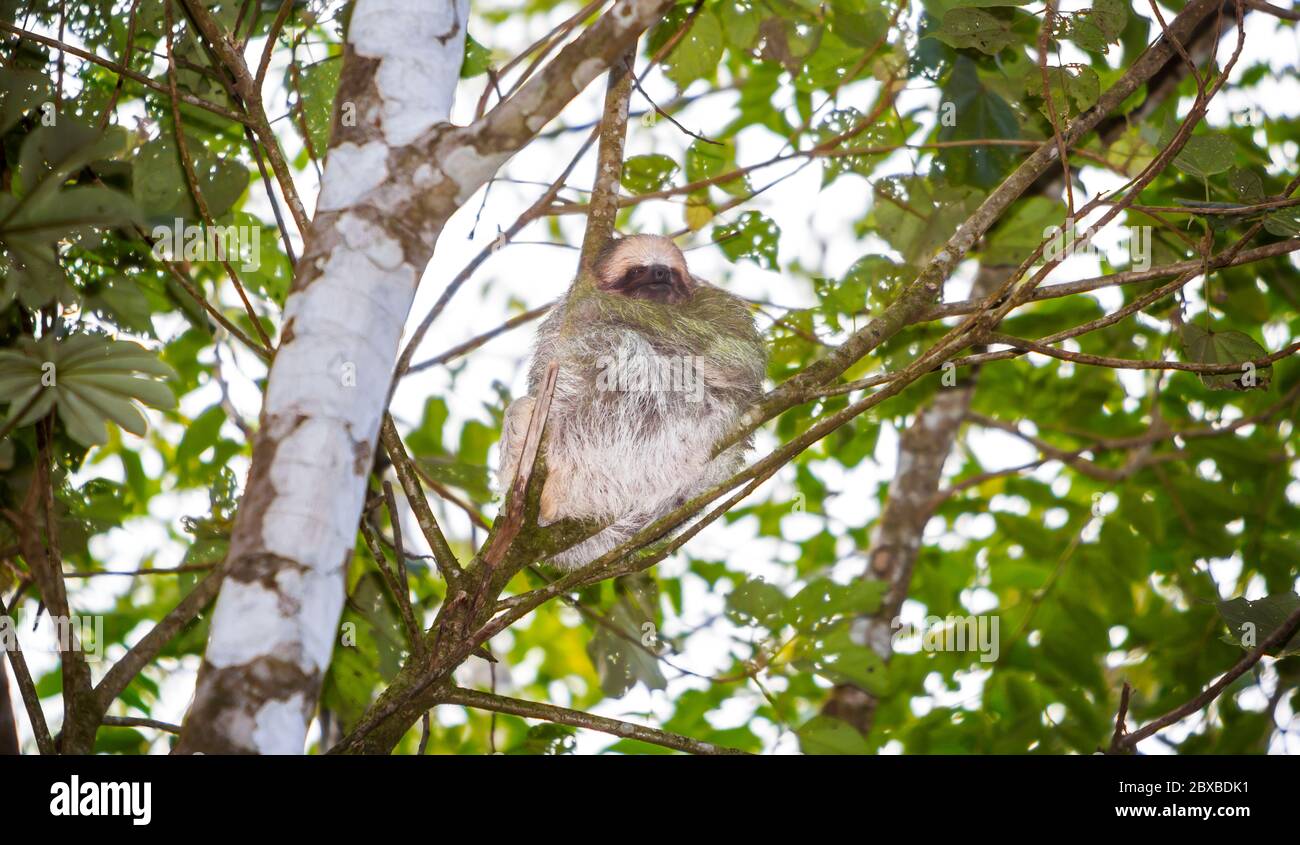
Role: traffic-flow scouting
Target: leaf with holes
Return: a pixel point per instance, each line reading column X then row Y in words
column 161, row 185
column 975, row 28
column 753, row 236
column 40, row 213
column 850, row 125
column 837, row 658
column 1073, row 91
column 1098, row 27
column 697, row 55
column 20, row 92
column 316, row 86
column 31, row 229
column 648, row 173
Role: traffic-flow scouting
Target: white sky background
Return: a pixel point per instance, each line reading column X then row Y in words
column 816, row 229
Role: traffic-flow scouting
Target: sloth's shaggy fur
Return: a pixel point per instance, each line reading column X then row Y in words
column 623, row 445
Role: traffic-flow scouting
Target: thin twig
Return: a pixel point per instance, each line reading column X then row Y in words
column 1282, row 634
column 32, row 701
column 139, row 722
column 404, row 467
column 578, row 719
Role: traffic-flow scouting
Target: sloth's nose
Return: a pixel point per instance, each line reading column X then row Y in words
column 659, row 273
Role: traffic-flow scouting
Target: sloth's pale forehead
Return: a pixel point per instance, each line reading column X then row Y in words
column 643, row 250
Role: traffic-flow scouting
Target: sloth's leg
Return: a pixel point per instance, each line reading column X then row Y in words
column 513, row 431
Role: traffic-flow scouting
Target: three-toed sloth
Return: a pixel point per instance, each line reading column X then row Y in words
column 655, row 367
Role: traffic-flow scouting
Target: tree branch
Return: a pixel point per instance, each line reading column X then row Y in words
column 35, row 716
column 603, row 207
column 407, row 474
column 579, row 719
column 928, row 285
column 1127, row 741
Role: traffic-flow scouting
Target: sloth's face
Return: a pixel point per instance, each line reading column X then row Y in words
column 645, row 267
column 656, row 282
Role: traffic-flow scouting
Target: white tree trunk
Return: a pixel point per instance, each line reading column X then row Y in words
column 391, row 181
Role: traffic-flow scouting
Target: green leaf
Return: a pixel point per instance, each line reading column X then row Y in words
column 89, row 379
column 161, row 186
column 753, row 235
column 621, row 661
column 756, row 602
column 823, row 602
column 42, row 213
column 368, row 652
column 547, row 739
column 871, row 283
column 828, row 63
column 472, row 478
column 828, row 735
column 477, row 59
column 975, row 28
column 1246, row 184
column 861, row 23
column 836, row 657
column 1285, row 223
column 202, row 433
column 31, row 229
column 1096, row 28
column 706, row 160
column 53, row 154
column 1021, row 231
column 1110, row 16
column 1206, row 155
column 1131, row 153
column 317, row 86
column 976, row 112
column 740, row 21
column 21, row 91
column 844, row 123
column 1073, row 90
column 645, row 174
column 120, row 300
column 1251, row 622
column 915, row 215
column 697, row 55
column 1226, row 347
